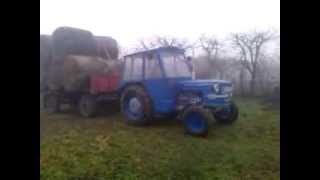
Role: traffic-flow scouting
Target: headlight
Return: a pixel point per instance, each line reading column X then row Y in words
column 216, row 87
column 227, row 89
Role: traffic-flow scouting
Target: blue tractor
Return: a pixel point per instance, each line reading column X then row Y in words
column 159, row 82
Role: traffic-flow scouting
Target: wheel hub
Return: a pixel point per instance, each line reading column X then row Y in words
column 195, row 122
column 135, row 105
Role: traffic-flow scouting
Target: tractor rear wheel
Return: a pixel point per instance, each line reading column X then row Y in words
column 136, row 105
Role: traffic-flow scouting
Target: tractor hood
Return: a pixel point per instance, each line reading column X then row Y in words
column 201, row 84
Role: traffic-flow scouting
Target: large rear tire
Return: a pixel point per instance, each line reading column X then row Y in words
column 88, row 106
column 196, row 121
column 136, row 105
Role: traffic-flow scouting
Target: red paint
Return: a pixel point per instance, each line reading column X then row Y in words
column 104, row 83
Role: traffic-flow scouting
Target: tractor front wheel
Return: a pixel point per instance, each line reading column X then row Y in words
column 196, row 121
column 228, row 114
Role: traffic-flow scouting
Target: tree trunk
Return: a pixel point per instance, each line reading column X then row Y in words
column 253, row 85
column 241, row 79
column 211, row 69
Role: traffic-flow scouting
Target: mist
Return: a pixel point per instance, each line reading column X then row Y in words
column 129, row 21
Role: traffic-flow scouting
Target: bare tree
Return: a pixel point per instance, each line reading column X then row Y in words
column 123, row 51
column 146, row 45
column 211, row 46
column 249, row 46
column 190, row 46
column 193, row 47
column 166, row 41
column 241, row 81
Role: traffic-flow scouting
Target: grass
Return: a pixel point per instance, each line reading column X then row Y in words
column 76, row 148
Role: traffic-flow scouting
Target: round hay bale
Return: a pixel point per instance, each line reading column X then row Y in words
column 68, row 40
column 107, row 47
column 77, row 70
column 73, row 55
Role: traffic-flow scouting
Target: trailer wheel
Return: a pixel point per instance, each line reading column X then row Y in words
column 196, row 121
column 136, row 105
column 52, row 103
column 227, row 115
column 88, row 106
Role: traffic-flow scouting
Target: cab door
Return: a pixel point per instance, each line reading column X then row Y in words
column 157, row 85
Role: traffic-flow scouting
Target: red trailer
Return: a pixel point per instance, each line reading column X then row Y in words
column 101, row 87
column 104, row 83
column 80, row 69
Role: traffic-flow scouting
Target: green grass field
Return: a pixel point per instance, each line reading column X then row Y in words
column 76, row 148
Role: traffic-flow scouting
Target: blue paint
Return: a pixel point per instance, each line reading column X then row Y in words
column 163, row 93
column 195, row 122
column 163, row 90
column 205, row 88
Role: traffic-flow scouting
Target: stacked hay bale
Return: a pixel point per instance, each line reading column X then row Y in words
column 67, row 40
column 77, row 54
column 78, row 68
column 107, row 47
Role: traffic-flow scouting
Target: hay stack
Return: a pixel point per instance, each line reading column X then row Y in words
column 107, row 47
column 77, row 70
column 75, row 54
column 67, row 40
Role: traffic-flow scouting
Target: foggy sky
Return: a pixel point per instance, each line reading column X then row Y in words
column 128, row 20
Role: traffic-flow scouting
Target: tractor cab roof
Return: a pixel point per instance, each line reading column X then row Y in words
column 157, row 50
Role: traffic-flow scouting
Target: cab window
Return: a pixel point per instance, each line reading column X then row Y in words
column 133, row 68
column 152, row 69
column 137, row 68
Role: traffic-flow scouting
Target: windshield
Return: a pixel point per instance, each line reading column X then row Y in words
column 175, row 65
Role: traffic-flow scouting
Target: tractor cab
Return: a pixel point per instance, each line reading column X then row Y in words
column 158, row 71
column 160, row 82
column 160, row 63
